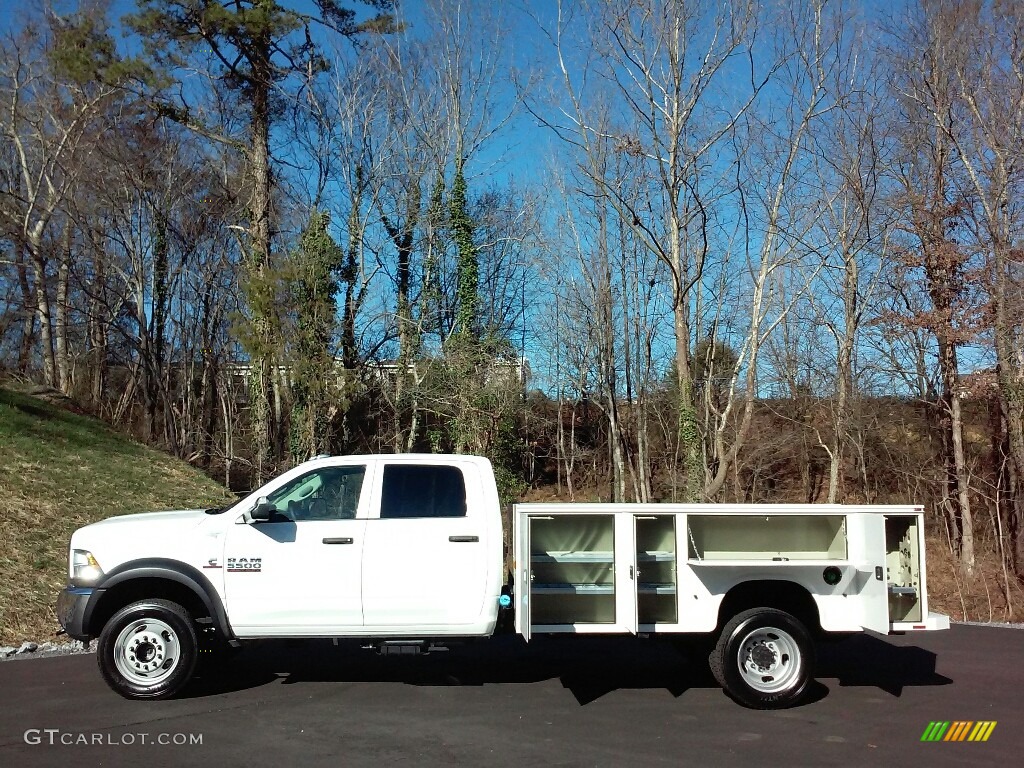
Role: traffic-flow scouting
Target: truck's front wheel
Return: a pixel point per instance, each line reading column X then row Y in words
column 764, row 659
column 147, row 650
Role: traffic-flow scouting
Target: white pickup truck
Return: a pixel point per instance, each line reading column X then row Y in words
column 409, row 551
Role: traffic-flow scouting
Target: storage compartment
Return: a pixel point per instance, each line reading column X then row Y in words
column 656, row 569
column 767, row 537
column 903, row 567
column 572, row 561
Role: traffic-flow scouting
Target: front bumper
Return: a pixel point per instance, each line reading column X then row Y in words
column 74, row 606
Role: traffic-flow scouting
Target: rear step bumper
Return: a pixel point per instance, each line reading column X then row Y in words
column 933, row 622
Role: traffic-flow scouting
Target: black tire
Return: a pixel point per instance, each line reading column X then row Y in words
column 764, row 659
column 148, row 650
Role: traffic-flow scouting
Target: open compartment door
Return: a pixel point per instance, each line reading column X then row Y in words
column 626, row 574
column 867, row 534
column 521, row 585
column 656, row 579
column 579, row 575
column 905, row 574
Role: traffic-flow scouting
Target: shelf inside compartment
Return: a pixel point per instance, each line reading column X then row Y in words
column 598, row 556
column 769, row 538
column 572, row 589
column 656, row 589
column 593, row 556
column 655, row 556
column 599, row 589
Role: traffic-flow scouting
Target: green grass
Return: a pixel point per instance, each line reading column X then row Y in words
column 58, row 472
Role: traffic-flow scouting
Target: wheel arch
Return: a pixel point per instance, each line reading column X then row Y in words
column 157, row 579
column 780, row 594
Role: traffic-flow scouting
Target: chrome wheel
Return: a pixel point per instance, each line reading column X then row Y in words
column 147, row 651
column 769, row 660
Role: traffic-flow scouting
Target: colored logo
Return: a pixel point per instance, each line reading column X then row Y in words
column 959, row 730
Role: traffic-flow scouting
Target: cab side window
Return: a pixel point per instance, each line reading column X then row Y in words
column 417, row 490
column 328, row 493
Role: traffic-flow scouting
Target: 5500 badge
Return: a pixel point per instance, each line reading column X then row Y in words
column 245, row 564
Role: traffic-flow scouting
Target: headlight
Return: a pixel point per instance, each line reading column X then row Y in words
column 84, row 568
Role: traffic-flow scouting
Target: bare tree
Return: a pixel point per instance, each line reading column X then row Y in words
column 48, row 120
column 668, row 64
column 987, row 64
column 855, row 232
column 933, row 207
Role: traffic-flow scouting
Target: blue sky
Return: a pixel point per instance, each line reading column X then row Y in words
column 523, row 150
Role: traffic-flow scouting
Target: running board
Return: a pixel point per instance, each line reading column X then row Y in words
column 405, row 648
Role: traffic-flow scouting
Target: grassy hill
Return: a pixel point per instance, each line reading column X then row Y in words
column 59, row 471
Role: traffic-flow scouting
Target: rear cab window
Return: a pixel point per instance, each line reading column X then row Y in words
column 422, row 491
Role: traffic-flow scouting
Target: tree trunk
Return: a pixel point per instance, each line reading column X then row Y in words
column 28, row 314
column 158, row 321
column 98, row 356
column 45, row 320
column 403, row 239
column 844, row 383
column 642, row 459
column 227, row 414
column 350, row 276
column 209, row 415
column 615, row 443
column 688, row 429
column 957, row 474
column 1015, row 520
column 261, row 407
column 61, row 314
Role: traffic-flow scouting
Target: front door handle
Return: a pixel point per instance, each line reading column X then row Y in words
column 463, row 538
column 341, row 540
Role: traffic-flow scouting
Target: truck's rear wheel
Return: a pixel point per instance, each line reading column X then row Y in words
column 147, row 650
column 764, row 659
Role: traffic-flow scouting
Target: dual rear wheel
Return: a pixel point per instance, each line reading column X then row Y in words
column 764, row 658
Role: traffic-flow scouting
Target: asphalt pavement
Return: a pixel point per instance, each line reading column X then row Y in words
column 555, row 702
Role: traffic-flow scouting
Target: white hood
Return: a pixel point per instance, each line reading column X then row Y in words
column 178, row 519
column 141, row 527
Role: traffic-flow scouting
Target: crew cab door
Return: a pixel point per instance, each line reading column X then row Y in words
column 300, row 573
column 426, row 553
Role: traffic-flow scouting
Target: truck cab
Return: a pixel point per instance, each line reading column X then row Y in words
column 376, row 546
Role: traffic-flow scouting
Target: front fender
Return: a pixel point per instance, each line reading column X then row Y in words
column 174, row 571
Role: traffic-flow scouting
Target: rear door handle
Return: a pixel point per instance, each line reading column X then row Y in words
column 341, row 540
column 463, row 538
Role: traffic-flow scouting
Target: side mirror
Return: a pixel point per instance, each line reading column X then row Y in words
column 263, row 510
